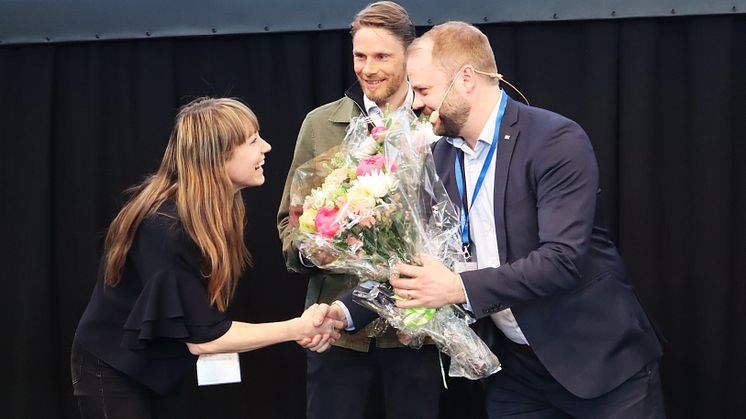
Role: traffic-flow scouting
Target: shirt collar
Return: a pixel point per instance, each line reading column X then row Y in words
column 372, row 109
column 488, row 131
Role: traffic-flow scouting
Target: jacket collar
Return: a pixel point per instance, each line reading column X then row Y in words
column 347, row 109
column 355, row 92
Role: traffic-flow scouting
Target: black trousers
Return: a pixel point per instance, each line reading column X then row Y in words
column 524, row 389
column 340, row 382
column 103, row 392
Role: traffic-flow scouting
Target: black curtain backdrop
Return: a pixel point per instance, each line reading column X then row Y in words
column 662, row 101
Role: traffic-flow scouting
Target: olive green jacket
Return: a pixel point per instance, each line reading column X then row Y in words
column 322, row 129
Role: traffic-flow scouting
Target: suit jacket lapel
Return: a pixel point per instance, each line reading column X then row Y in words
column 507, row 138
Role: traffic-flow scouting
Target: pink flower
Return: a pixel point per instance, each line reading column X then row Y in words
column 326, row 222
column 379, row 133
column 374, row 163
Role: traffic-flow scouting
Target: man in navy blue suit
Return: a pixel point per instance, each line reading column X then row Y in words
column 544, row 279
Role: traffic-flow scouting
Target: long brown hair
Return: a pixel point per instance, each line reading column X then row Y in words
column 193, row 172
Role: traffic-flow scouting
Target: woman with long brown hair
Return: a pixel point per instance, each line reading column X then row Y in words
column 171, row 262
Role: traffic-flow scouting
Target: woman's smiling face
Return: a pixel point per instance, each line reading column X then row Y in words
column 244, row 167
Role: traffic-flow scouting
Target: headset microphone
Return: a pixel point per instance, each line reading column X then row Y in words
column 435, row 115
column 502, row 79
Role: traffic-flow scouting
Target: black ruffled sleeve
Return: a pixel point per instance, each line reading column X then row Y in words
column 173, row 305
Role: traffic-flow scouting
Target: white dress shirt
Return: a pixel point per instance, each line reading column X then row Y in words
column 482, row 215
column 376, row 113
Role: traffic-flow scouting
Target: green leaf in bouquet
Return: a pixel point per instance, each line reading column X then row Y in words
column 414, row 317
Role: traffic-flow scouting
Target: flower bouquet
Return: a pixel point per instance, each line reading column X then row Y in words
column 375, row 201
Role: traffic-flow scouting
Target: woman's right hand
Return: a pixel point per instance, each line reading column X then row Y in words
column 320, row 326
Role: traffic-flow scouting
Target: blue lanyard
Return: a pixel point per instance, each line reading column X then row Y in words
column 485, row 167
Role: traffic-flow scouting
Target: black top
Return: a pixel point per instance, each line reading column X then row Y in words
column 141, row 325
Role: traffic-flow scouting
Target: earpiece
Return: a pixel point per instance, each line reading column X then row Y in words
column 436, row 113
column 502, row 79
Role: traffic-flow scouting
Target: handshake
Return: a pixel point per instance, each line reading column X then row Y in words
column 320, row 326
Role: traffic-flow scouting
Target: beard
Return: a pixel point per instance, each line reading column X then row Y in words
column 452, row 117
column 383, row 93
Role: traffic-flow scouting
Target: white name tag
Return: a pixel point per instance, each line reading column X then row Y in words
column 218, row 369
column 464, row 267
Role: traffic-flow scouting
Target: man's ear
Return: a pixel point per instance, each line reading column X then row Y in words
column 468, row 78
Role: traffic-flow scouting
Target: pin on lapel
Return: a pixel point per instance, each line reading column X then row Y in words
column 507, row 137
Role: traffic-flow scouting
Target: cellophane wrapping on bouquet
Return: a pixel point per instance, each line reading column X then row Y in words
column 375, row 201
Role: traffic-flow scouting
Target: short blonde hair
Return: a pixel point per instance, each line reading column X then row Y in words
column 456, row 44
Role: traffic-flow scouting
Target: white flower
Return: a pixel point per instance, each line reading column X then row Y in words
column 318, row 197
column 424, row 134
column 365, row 149
column 359, row 201
column 376, row 183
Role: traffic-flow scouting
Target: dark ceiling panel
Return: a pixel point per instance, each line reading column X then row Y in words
column 40, row 21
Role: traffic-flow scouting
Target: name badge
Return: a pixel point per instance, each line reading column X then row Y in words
column 218, row 369
column 459, row 267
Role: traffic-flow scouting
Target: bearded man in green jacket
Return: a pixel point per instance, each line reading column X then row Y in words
column 340, row 381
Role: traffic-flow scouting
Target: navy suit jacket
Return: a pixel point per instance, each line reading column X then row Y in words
column 560, row 274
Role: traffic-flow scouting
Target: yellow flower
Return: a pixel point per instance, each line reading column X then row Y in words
column 360, row 200
column 335, row 178
column 306, row 222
